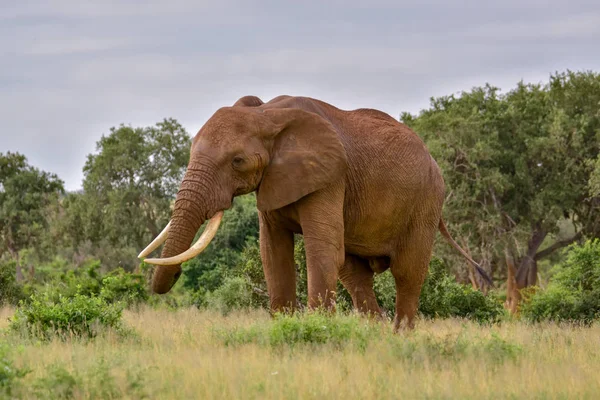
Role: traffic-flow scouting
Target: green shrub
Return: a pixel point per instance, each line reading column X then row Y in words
column 88, row 280
column 250, row 268
column 425, row 347
column 121, row 286
column 9, row 373
column 234, row 293
column 98, row 381
column 79, row 317
column 443, row 297
column 58, row 383
column 70, row 281
column 10, row 291
column 573, row 293
column 385, row 291
column 309, row 328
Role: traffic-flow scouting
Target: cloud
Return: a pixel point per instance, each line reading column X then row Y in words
column 105, row 8
column 580, row 26
column 70, row 70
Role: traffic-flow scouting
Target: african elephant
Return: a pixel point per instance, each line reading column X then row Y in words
column 359, row 186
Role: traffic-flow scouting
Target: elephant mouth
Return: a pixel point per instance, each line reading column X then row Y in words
column 203, row 241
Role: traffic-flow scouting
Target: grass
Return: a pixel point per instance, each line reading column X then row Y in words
column 246, row 355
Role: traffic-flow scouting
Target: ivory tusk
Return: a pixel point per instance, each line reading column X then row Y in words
column 160, row 239
column 202, row 242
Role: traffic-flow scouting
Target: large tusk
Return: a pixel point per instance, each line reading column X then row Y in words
column 203, row 241
column 160, row 239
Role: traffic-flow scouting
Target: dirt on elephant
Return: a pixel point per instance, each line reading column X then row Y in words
column 188, row 354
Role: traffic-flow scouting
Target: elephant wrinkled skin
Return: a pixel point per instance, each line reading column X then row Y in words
column 360, row 187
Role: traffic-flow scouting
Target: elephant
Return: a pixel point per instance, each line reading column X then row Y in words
column 358, row 185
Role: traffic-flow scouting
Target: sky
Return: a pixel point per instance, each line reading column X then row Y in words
column 72, row 69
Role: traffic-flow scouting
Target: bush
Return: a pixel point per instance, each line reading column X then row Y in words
column 70, row 281
column 573, row 293
column 9, row 374
column 234, row 293
column 250, row 268
column 10, row 292
column 79, row 317
column 443, row 297
column 121, row 286
column 310, row 328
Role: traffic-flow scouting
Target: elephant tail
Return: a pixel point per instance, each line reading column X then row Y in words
column 446, row 234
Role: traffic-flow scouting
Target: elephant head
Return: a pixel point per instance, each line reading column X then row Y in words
column 281, row 153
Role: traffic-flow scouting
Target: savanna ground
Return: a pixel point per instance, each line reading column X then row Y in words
column 192, row 354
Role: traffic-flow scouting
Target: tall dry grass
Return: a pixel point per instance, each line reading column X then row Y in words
column 181, row 355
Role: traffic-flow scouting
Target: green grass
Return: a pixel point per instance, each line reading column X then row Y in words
column 199, row 354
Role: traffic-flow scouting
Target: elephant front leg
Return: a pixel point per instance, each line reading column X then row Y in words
column 277, row 254
column 322, row 221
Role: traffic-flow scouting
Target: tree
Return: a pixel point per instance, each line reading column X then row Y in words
column 130, row 183
column 519, row 167
column 25, row 195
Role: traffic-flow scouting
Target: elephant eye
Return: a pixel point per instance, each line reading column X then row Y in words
column 238, row 161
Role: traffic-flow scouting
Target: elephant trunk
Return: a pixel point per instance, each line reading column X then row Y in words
column 193, row 206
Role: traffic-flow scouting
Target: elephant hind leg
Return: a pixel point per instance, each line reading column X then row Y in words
column 357, row 278
column 409, row 268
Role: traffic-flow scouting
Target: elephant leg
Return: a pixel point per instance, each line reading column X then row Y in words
column 277, row 254
column 357, row 278
column 409, row 268
column 322, row 220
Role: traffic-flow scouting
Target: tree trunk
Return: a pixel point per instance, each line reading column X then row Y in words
column 15, row 255
column 18, row 270
column 527, row 272
column 513, row 296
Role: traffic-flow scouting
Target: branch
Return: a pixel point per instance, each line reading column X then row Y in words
column 558, row 245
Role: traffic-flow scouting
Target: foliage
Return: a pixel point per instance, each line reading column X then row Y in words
column 573, row 293
column 133, row 177
column 78, row 316
column 58, row 279
column 10, row 291
column 315, row 327
column 346, row 330
column 250, row 267
column 516, row 165
column 121, row 286
column 443, row 297
column 595, row 179
column 25, row 195
column 235, row 293
column 9, row 373
column 68, row 281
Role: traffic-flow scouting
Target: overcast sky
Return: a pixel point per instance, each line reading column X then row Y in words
column 71, row 69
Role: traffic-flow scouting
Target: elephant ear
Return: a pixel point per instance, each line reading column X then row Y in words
column 307, row 155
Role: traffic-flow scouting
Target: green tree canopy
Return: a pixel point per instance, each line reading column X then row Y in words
column 518, row 166
column 129, row 185
column 25, row 195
